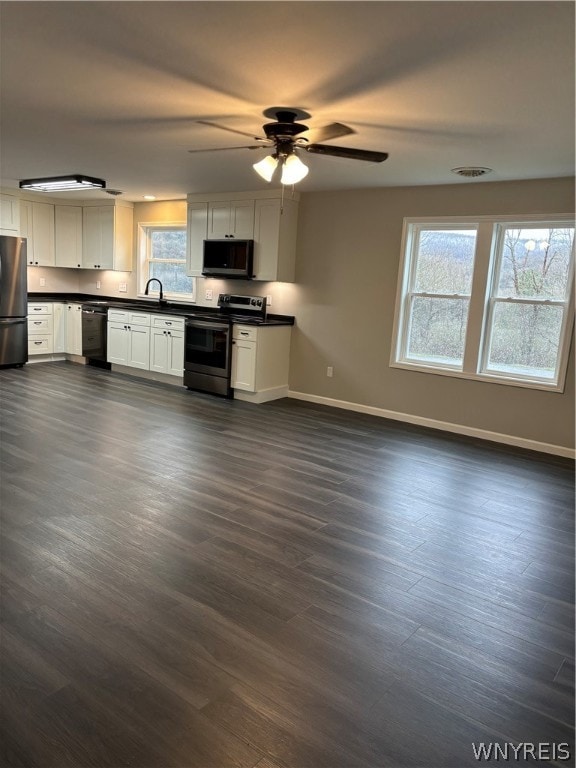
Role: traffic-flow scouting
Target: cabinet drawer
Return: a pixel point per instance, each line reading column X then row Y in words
column 40, row 345
column 40, row 325
column 245, row 333
column 38, row 308
column 171, row 323
column 138, row 318
column 117, row 316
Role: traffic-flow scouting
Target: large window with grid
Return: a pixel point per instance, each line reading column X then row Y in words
column 487, row 298
column 162, row 250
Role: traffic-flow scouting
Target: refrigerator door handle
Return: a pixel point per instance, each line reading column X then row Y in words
column 12, row 320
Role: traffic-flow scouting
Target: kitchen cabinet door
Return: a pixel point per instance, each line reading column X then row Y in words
column 139, row 347
column 244, row 365
column 275, row 227
column 118, row 343
column 107, row 238
column 74, row 329
column 37, row 226
column 197, row 229
column 59, row 312
column 9, row 215
column 68, row 235
column 167, row 351
column 233, row 218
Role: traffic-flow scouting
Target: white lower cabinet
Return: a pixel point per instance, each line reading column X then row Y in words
column 148, row 342
column 260, row 362
column 167, row 345
column 73, row 316
column 129, row 338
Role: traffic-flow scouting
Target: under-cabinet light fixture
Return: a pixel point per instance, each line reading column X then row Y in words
column 74, row 181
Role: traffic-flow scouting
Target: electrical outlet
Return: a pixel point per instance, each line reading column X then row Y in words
column 98, row 284
column 122, row 287
column 268, row 300
column 208, row 294
column 42, row 282
column 330, row 371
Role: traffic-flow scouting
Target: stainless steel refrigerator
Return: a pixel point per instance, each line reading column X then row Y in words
column 13, row 301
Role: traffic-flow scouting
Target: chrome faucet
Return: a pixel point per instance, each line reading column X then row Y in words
column 161, row 296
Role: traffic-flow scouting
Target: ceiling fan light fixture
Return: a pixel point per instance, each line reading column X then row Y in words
column 266, row 167
column 293, row 170
column 72, row 182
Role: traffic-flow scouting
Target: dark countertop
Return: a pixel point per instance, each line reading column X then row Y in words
column 170, row 308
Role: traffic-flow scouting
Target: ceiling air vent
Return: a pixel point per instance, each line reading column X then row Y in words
column 471, row 171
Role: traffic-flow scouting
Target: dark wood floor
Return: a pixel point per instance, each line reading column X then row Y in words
column 190, row 582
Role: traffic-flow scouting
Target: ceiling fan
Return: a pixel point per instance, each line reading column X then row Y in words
column 286, row 138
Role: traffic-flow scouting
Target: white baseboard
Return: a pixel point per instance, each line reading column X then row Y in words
column 263, row 396
column 459, row 429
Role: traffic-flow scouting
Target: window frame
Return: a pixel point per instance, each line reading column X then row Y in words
column 413, row 243
column 145, row 230
column 490, row 233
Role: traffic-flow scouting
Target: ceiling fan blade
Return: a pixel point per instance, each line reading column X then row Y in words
column 224, row 149
column 225, row 128
column 327, row 132
column 347, row 152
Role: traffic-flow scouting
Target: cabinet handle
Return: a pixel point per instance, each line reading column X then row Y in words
column 37, row 342
column 244, row 333
column 167, row 322
column 37, row 322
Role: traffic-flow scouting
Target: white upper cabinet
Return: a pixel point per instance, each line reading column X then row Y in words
column 230, row 218
column 107, row 237
column 9, row 215
column 275, row 227
column 37, row 226
column 68, row 235
column 197, row 228
column 262, row 216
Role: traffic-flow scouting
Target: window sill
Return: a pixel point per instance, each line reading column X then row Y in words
column 488, row 378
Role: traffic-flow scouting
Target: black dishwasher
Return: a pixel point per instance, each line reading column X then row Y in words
column 94, row 327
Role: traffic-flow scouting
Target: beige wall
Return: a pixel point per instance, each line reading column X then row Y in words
column 347, row 271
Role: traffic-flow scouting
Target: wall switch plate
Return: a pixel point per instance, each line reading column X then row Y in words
column 122, row 287
column 330, row 371
column 42, row 282
column 268, row 300
column 208, row 294
column 98, row 284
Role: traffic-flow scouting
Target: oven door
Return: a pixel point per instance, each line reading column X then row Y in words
column 207, row 355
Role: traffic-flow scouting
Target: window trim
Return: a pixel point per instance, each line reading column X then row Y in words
column 489, row 230
column 144, row 241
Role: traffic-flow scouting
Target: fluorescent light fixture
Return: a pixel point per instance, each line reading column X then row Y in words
column 293, row 170
column 73, row 181
column 266, row 167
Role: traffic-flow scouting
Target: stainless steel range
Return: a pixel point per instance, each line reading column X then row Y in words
column 208, row 342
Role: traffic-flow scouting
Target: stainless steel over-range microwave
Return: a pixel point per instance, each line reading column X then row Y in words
column 228, row 258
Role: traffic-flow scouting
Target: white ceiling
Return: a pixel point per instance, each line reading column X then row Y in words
column 115, row 90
